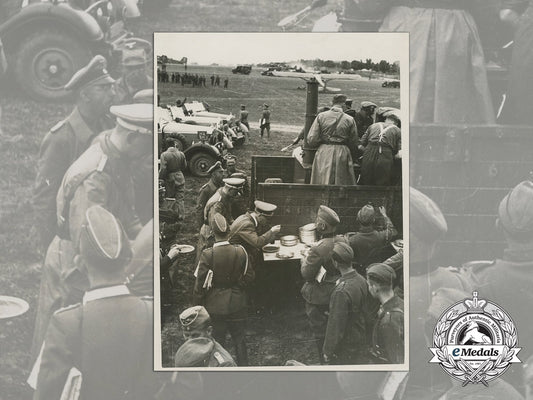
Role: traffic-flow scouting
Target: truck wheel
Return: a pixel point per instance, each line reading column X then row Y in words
column 200, row 163
column 181, row 143
column 45, row 62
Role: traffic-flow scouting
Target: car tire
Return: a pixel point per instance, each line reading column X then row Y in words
column 200, row 163
column 45, row 62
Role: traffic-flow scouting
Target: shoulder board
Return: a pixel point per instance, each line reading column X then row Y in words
column 339, row 284
column 204, row 186
column 218, row 357
column 58, row 126
column 71, row 307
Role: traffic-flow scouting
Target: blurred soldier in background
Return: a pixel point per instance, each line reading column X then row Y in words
column 243, row 116
column 206, row 191
column 172, row 166
column 100, row 176
column 221, row 276
column 88, row 346
column 335, row 135
column 388, row 337
column 320, row 275
column 134, row 75
column 363, row 117
column 348, row 108
column 68, row 139
column 265, row 121
column 200, row 349
column 345, row 340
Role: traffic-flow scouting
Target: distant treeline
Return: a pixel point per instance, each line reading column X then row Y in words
column 381, row 66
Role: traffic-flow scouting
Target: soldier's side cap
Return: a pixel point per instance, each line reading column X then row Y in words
column 381, row 273
column 216, row 166
column 135, row 117
column 367, row 104
column 194, row 352
column 516, row 209
column 342, row 252
column 265, row 208
column 219, row 224
column 102, row 237
column 339, row 99
column 94, row 73
column 328, row 215
column 234, row 183
column 366, row 215
column 194, row 317
column 426, row 220
column 144, row 96
column 133, row 57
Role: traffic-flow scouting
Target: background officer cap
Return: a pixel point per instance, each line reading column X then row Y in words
column 219, row 224
column 516, row 209
column 328, row 215
column 135, row 117
column 94, row 73
column 426, row 221
column 265, row 208
column 343, row 253
column 134, row 57
column 366, row 215
column 195, row 317
column 216, row 166
column 230, row 160
column 239, row 175
column 368, row 104
column 144, row 96
column 234, row 183
column 103, row 242
column 194, row 352
column 339, row 99
column 382, row 273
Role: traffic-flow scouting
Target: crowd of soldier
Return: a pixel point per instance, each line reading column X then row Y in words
column 197, row 80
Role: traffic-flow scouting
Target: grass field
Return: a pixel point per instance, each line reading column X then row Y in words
column 24, row 123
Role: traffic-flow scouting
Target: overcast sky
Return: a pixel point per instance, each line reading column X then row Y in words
column 253, row 48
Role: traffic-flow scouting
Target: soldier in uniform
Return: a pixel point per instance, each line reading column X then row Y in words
column 88, row 346
column 240, row 206
column 173, row 163
column 68, row 139
column 209, row 189
column 221, row 277
column 134, row 76
column 345, row 340
column 368, row 238
column 221, row 202
column 243, row 116
column 363, row 117
column 265, row 121
column 320, row 274
column 252, row 230
column 348, row 108
column 387, row 337
column 200, row 349
column 100, row 176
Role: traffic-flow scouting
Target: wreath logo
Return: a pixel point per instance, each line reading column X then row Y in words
column 475, row 341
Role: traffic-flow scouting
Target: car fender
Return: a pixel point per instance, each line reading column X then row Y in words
column 202, row 148
column 46, row 14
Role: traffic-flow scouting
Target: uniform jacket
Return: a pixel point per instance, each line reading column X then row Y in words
column 205, row 194
column 172, row 160
column 333, row 127
column 60, row 147
column 245, row 231
column 346, row 329
column 381, row 132
column 388, row 337
column 231, row 272
column 320, row 256
column 362, row 122
column 108, row 339
column 368, row 239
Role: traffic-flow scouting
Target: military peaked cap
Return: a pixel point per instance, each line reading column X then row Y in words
column 265, row 208
column 234, row 183
column 137, row 118
column 133, row 57
column 94, row 73
column 215, row 167
column 328, row 215
column 144, row 96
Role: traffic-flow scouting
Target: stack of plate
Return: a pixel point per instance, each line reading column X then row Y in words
column 289, row 240
column 308, row 234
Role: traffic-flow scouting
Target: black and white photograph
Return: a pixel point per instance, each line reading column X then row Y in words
column 281, row 215
column 470, row 180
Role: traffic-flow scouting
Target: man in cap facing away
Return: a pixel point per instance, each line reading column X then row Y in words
column 388, row 336
column 88, row 346
column 206, row 191
column 200, row 349
column 345, row 340
column 363, row 118
column 335, row 135
column 320, row 274
column 368, row 238
column 69, row 138
column 243, row 116
column 221, row 277
column 100, row 176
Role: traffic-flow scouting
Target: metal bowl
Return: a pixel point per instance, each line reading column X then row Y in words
column 289, row 240
column 284, row 256
column 270, row 248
